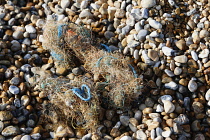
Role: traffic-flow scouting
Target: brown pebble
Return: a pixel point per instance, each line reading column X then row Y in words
column 169, row 122
column 147, row 110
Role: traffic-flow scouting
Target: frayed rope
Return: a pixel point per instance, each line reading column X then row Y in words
column 81, row 92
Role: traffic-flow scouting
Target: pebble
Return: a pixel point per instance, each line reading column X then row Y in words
column 168, row 106
column 167, row 132
column 169, row 73
column 148, row 3
column 177, row 71
column 181, row 44
column 192, row 85
column 124, row 120
column 26, row 137
column 155, row 24
column 167, row 51
column 181, row 59
column 10, row 131
column 171, row 85
column 15, row 81
column 152, row 54
column 194, row 55
column 140, row 134
column 36, row 136
column 207, row 95
column 159, row 108
column 204, row 53
column 181, row 119
column 14, row 89
column 5, row 115
column 30, row 29
column 65, row 3
column 17, row 34
column 126, row 138
column 141, row 36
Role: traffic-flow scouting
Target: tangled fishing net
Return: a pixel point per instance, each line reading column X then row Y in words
column 115, row 82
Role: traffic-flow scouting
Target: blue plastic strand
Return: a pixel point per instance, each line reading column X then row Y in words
column 99, row 60
column 60, row 30
column 134, row 71
column 81, row 92
column 56, row 56
column 106, row 47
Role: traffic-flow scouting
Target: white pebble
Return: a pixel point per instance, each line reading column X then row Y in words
column 155, row 24
column 148, row 3
column 194, row 55
column 168, row 106
column 171, row 85
column 166, row 98
column 14, row 89
column 167, row 51
column 181, row 59
column 192, row 85
column 169, row 73
column 159, row 108
column 30, row 29
column 204, row 53
column 177, row 71
column 126, row 138
column 207, row 96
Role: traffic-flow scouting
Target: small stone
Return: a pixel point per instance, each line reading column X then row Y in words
column 207, row 95
column 124, row 120
column 197, row 107
column 199, row 137
column 159, row 108
column 40, row 23
column 181, row 59
column 152, row 54
column 167, row 51
column 25, row 100
column 30, row 29
column 167, row 132
column 15, row 81
column 194, row 55
column 110, row 114
column 14, row 89
column 11, row 131
column 1, row 126
column 126, row 138
column 177, row 71
column 138, row 115
column 85, row 14
column 65, row 3
column 141, row 36
column 148, row 3
column 147, row 110
column 5, row 115
column 171, row 85
column 155, row 24
column 168, row 106
column 140, row 135
column 204, row 53
column 36, row 136
column 149, row 102
column 61, row 71
column 181, row 44
column 25, row 68
column 192, row 86
column 26, row 137
column 166, row 98
column 120, row 13
column 109, row 34
column 133, row 44
column 77, row 71
column 169, row 73
column 181, row 119
column 153, row 125
column 203, row 33
column 195, row 126
column 17, row 34
column 169, row 122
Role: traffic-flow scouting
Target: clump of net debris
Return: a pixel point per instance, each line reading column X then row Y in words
column 114, row 84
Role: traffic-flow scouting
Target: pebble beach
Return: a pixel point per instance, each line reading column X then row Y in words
column 168, row 42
